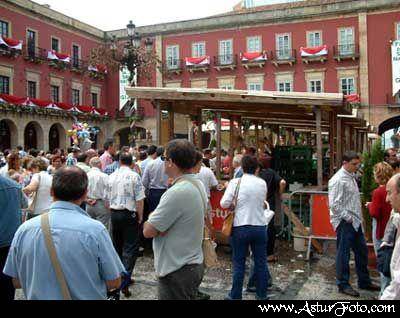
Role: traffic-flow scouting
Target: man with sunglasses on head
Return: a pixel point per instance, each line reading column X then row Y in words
column 347, row 220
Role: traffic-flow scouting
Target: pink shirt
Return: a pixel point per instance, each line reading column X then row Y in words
column 106, row 159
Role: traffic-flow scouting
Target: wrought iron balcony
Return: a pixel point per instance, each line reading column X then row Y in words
column 174, row 66
column 346, row 52
column 285, row 56
column 6, row 51
column 227, row 61
column 79, row 66
column 34, row 54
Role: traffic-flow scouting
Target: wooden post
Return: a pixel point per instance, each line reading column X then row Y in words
column 219, row 144
column 171, row 124
column 200, row 130
column 159, row 127
column 339, row 143
column 332, row 123
column 257, row 135
column 352, row 138
column 318, row 116
column 231, row 143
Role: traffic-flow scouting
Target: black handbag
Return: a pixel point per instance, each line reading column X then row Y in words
column 384, row 260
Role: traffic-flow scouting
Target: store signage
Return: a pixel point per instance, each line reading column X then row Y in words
column 396, row 66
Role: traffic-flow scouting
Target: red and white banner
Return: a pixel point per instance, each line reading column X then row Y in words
column 196, row 61
column 98, row 69
column 314, row 51
column 12, row 44
column 32, row 102
column 53, row 55
column 354, row 98
column 254, row 57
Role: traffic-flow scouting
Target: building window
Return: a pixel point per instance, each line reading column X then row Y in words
column 4, row 85
column 314, row 39
column 315, row 86
column 285, row 86
column 398, row 31
column 55, row 44
column 254, row 44
column 173, row 57
column 55, row 93
column 346, row 41
column 4, row 29
column 32, row 89
column 283, row 46
column 199, row 49
column 76, row 97
column 95, row 100
column 31, row 43
column 75, row 55
column 255, row 87
column 348, row 86
column 227, row 87
column 226, row 52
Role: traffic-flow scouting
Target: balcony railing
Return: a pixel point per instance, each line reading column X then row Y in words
column 6, row 51
column 78, row 65
column 34, row 54
column 346, row 51
column 174, row 65
column 224, row 60
column 286, row 56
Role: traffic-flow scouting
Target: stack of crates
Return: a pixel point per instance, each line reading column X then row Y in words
column 294, row 164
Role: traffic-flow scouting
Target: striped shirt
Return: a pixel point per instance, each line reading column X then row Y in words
column 344, row 200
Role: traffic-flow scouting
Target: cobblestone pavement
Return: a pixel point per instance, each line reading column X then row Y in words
column 294, row 278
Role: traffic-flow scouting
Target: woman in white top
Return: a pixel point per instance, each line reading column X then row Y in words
column 41, row 185
column 249, row 228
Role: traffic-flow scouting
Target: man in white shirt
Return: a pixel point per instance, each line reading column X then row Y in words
column 97, row 203
column 393, row 190
column 126, row 194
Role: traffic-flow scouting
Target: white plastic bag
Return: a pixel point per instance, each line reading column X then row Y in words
column 269, row 214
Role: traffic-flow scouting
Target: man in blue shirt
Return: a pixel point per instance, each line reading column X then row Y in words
column 86, row 254
column 11, row 201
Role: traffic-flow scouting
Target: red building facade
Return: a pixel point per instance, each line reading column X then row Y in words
column 211, row 52
column 50, row 75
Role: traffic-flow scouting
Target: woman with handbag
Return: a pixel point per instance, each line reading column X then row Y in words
column 245, row 198
column 39, row 189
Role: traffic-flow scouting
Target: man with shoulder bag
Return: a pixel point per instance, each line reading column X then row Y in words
column 64, row 254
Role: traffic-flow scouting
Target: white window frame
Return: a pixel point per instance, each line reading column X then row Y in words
column 227, row 87
column 79, row 53
column 346, row 47
column 172, row 57
column 9, row 84
column 199, row 49
column 312, row 85
column 8, row 27
column 51, row 93
column 284, row 52
column 311, row 42
column 347, row 79
column 72, row 97
column 225, row 52
column 59, row 43
column 36, row 88
column 398, row 31
column 285, row 86
column 254, row 86
column 254, row 44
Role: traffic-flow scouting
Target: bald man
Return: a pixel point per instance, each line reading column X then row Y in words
column 393, row 197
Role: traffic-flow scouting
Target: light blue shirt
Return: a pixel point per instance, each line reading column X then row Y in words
column 154, row 176
column 84, row 249
column 11, row 201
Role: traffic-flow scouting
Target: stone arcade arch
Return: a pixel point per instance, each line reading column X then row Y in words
column 8, row 134
column 57, row 137
column 33, row 136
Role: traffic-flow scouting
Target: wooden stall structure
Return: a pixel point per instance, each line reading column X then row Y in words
column 318, row 112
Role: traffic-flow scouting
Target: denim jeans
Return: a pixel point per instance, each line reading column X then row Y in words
column 7, row 291
column 385, row 281
column 242, row 238
column 348, row 238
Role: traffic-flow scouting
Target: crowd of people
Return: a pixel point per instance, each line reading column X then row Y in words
column 103, row 208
